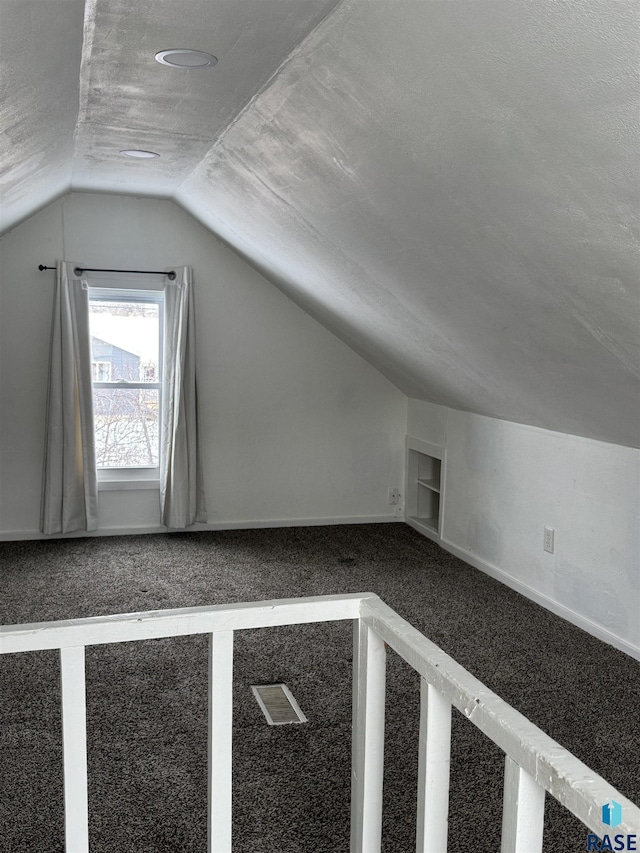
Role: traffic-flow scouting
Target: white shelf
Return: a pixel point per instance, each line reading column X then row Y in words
column 423, row 485
column 428, row 523
column 433, row 484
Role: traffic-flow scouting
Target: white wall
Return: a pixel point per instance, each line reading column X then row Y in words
column 504, row 482
column 297, row 427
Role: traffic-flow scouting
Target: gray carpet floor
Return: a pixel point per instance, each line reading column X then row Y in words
column 146, row 702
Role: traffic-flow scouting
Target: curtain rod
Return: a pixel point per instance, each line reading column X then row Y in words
column 79, row 270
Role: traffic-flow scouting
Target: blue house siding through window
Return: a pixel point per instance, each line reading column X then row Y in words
column 124, row 365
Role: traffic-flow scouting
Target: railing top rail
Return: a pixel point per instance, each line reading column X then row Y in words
column 554, row 768
column 155, row 624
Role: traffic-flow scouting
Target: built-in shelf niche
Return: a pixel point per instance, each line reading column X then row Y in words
column 423, row 487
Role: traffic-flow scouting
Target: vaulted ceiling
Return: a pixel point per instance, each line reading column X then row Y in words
column 450, row 187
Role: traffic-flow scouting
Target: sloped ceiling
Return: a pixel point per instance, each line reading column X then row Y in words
column 40, row 51
column 449, row 187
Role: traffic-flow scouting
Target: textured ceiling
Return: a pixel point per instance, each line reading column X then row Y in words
column 449, row 187
column 80, row 83
column 40, row 50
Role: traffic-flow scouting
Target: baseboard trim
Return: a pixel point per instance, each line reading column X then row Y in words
column 25, row 535
column 544, row 601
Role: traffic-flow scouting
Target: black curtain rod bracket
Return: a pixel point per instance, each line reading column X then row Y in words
column 79, row 270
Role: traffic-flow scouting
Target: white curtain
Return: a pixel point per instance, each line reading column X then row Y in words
column 70, row 490
column 182, row 500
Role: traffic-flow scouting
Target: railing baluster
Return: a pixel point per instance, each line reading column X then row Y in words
column 220, row 694
column 434, row 761
column 74, row 749
column 369, row 673
column 523, row 811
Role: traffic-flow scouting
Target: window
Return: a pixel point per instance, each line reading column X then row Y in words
column 126, row 344
column 100, row 371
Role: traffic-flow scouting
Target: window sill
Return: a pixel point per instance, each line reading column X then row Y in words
column 125, row 485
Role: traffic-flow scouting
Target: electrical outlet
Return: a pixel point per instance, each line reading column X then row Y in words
column 393, row 496
column 548, row 539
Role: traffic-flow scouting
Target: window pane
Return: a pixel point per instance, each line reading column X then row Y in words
column 125, row 340
column 101, row 371
column 126, row 422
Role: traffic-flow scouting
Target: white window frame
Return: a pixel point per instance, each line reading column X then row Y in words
column 115, row 479
column 96, row 364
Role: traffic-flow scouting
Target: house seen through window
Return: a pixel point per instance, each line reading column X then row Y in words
column 126, row 368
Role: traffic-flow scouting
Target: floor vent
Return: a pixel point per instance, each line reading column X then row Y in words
column 278, row 704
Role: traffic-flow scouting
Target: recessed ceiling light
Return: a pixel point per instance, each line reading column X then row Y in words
column 185, row 58
column 134, row 152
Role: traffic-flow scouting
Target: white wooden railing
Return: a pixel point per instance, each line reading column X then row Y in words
column 534, row 762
